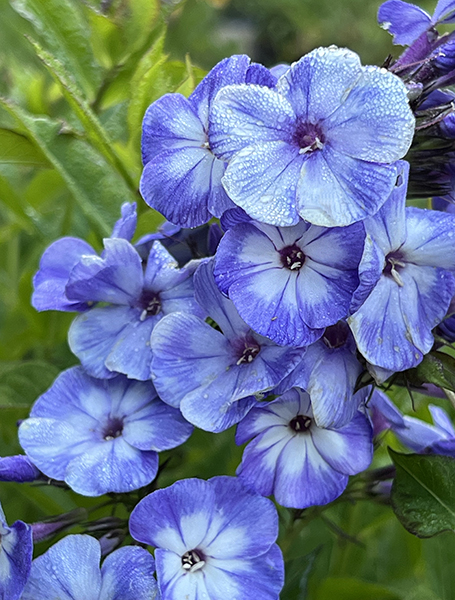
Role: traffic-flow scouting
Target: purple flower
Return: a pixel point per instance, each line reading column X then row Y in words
column 211, row 373
column 62, row 256
column 320, row 146
column 406, row 283
column 292, row 458
column 100, row 436
column 16, row 550
column 214, row 539
column 70, row 570
column 328, row 371
column 407, row 22
column 182, row 177
column 289, row 283
column 116, row 338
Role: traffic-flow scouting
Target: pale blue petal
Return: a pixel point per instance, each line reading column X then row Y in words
column 243, row 115
column 176, row 518
column 317, row 84
column 156, row 426
column 348, row 450
column 130, row 352
column 374, row 122
column 69, row 570
column 16, row 552
column 126, row 225
column 336, row 190
column 52, row 444
column 228, row 71
column 111, row 466
column 388, row 226
column 393, row 327
column 127, row 574
column 171, row 122
column 262, row 180
column 444, row 12
column 92, row 336
column 177, row 368
column 178, row 183
column 216, row 305
column 304, row 478
column 116, row 277
column 430, row 238
column 54, row 272
column 441, row 419
column 260, row 577
column 268, row 302
column 406, row 22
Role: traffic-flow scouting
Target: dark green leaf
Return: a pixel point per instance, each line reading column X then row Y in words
column 22, row 382
column 66, row 33
column 16, row 149
column 437, row 368
column 96, row 186
column 423, row 493
column 297, row 572
column 95, row 131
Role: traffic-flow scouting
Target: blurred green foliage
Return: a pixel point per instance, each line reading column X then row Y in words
column 75, row 79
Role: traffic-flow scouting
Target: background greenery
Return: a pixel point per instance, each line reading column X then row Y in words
column 75, row 79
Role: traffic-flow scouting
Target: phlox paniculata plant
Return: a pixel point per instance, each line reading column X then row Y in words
column 317, row 286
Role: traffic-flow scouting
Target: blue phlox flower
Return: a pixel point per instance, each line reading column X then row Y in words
column 424, row 438
column 289, row 283
column 115, row 338
column 182, row 176
column 320, row 146
column 407, row 22
column 292, row 458
column 214, row 540
column 70, row 570
column 16, row 550
column 211, row 374
column 62, row 256
column 100, row 436
column 406, row 282
column 328, row 371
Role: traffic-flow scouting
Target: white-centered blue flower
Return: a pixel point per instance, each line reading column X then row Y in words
column 320, row 146
column 214, row 540
column 292, row 458
column 101, row 436
column 406, row 281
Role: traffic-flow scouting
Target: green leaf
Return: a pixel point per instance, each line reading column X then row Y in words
column 23, row 214
column 347, row 588
column 22, row 382
column 297, row 571
column 142, row 15
column 423, row 493
column 66, row 34
column 95, row 185
column 437, row 368
column 16, row 149
column 95, row 131
column 148, row 83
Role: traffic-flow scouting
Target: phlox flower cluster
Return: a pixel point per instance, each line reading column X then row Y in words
column 317, row 280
